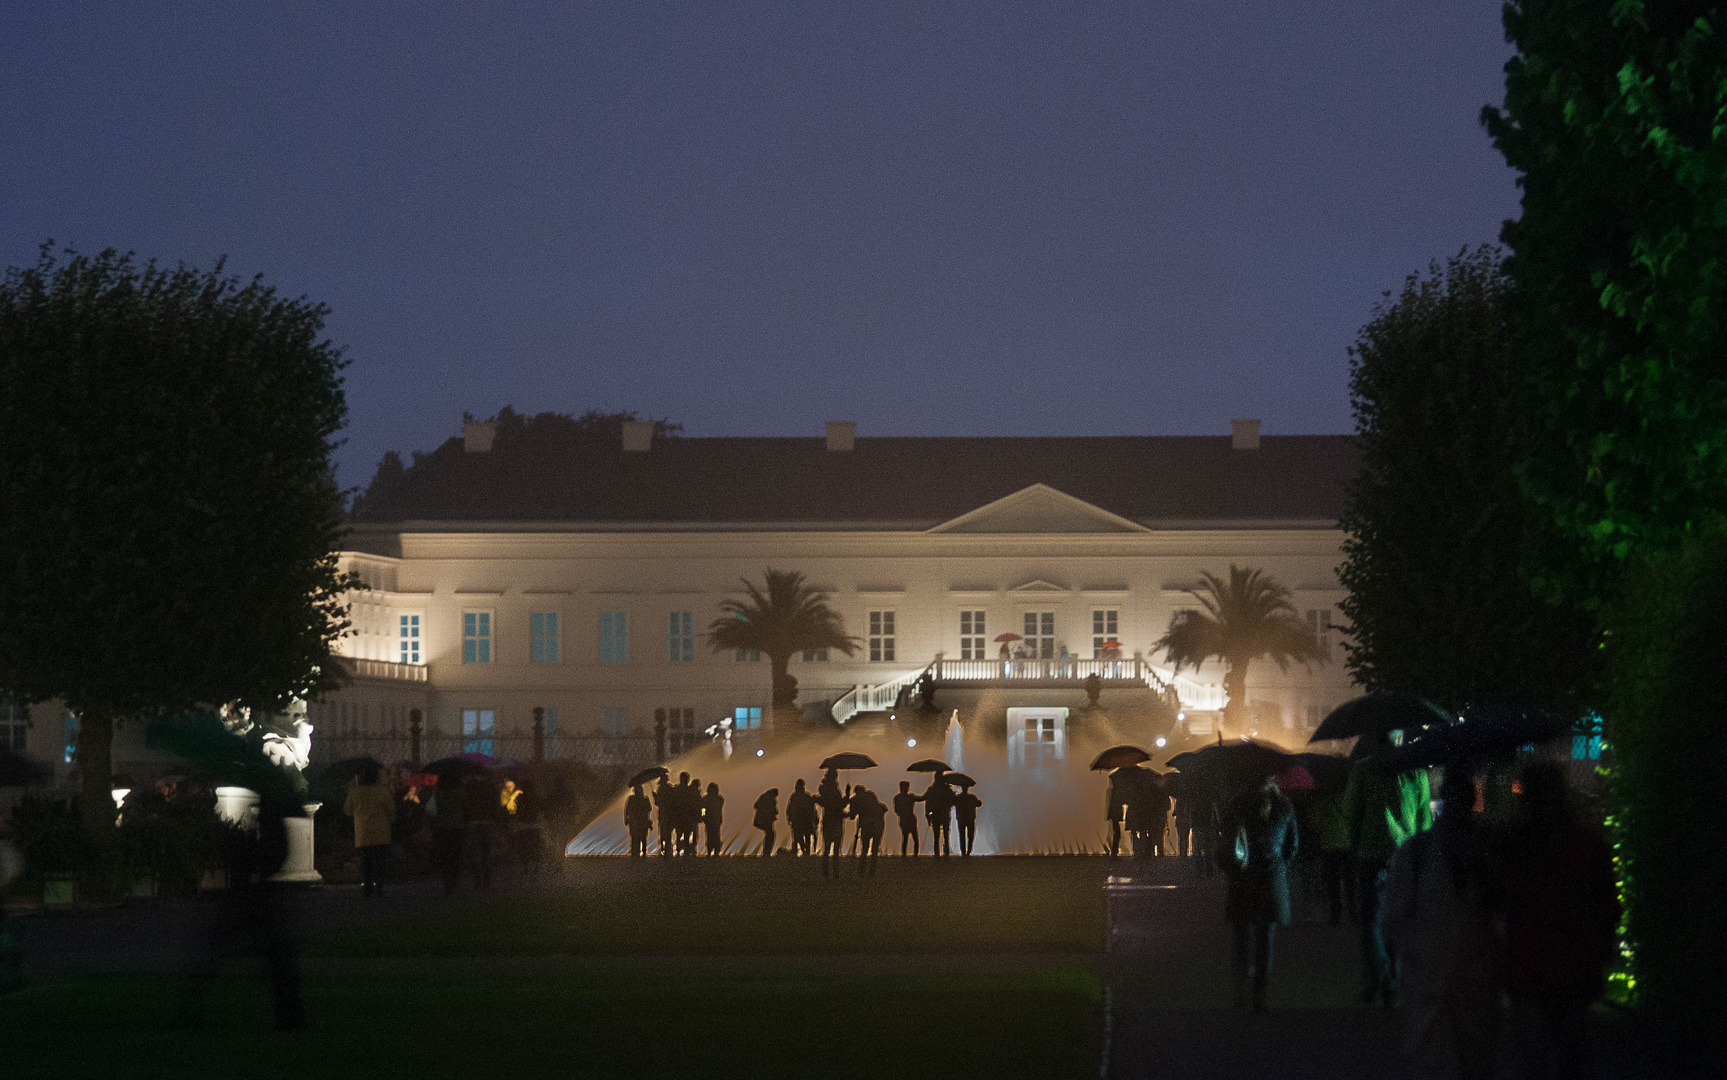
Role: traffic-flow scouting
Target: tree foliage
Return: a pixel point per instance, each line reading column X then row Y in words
column 539, row 434
column 784, row 615
column 170, row 513
column 1615, row 118
column 1249, row 617
column 1435, row 524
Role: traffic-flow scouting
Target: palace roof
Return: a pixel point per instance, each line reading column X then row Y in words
column 889, row 483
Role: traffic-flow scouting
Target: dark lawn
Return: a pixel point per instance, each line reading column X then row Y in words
column 736, row 906
column 616, row 1023
column 694, row 968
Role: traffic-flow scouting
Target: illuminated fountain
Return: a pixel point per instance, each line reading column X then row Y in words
column 1038, row 797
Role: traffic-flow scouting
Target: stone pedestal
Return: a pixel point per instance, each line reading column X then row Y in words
column 298, row 866
column 239, row 806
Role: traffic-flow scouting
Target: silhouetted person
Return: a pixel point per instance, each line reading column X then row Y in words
column 1260, row 841
column 833, row 806
column 905, row 808
column 639, row 819
column 666, row 813
column 253, row 907
column 871, row 814
column 1562, row 914
column 1115, row 808
column 481, row 804
column 801, row 819
column 713, row 815
column 965, row 807
column 938, row 811
column 373, row 809
column 1383, row 811
column 448, row 814
column 1336, row 874
column 1147, row 812
column 1439, row 907
column 767, row 812
column 686, row 814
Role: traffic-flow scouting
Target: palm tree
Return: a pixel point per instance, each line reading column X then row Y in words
column 1248, row 618
column 784, row 617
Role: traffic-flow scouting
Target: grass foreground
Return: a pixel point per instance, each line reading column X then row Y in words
column 728, row 967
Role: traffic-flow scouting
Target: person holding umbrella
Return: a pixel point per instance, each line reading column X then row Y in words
column 373, row 809
column 1382, row 810
column 871, row 814
column 965, row 807
column 1260, row 841
column 938, row 811
column 639, row 820
column 833, row 807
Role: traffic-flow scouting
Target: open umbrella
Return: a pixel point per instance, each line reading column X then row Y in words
column 960, row 779
column 1009, row 636
column 1110, row 644
column 929, row 764
column 460, row 765
column 422, row 779
column 1296, row 778
column 1117, row 757
column 1481, row 735
column 1379, row 713
column 649, row 775
column 848, row 760
column 349, row 768
column 1229, row 767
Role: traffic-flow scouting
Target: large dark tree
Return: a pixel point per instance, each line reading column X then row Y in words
column 1613, row 118
column 1435, row 524
column 784, row 615
column 170, row 515
column 1249, row 617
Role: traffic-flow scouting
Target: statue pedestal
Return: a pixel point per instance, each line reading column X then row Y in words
column 239, row 806
column 298, row 866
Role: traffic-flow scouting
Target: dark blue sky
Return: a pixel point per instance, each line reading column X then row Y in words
column 1136, row 218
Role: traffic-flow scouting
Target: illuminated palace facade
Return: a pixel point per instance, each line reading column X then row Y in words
column 571, row 583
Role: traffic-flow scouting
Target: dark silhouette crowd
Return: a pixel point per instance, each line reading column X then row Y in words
column 816, row 820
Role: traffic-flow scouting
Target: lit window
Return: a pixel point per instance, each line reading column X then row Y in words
column 881, row 637
column 680, row 637
column 972, row 636
column 478, row 729
column 14, row 723
column 476, row 637
column 680, row 728
column 814, row 655
column 543, row 635
column 747, row 718
column 408, row 638
column 1103, row 630
column 1040, row 634
column 614, row 638
column 747, row 655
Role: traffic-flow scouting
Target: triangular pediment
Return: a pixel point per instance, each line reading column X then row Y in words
column 1038, row 585
column 1039, row 509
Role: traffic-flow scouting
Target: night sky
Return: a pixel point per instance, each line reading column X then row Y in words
column 1137, row 218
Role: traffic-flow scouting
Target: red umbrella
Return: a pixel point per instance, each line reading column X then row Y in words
column 1295, row 778
column 1110, row 644
column 425, row 779
column 1009, row 636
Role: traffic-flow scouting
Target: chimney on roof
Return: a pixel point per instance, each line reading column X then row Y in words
column 1244, row 434
column 477, row 436
column 842, row 434
column 638, row 436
